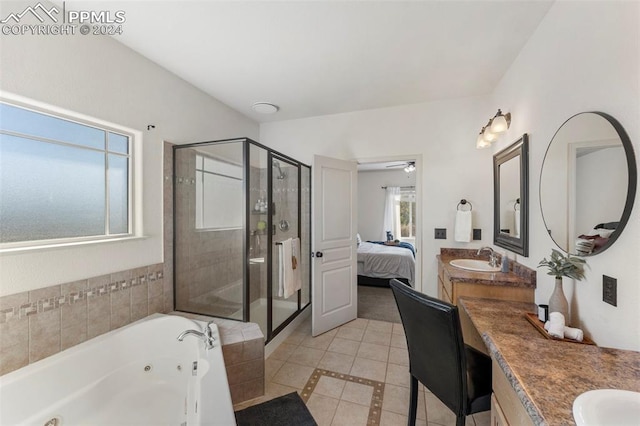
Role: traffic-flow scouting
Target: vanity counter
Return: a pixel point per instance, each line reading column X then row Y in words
column 509, row 279
column 547, row 375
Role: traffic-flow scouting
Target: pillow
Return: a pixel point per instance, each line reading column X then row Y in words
column 358, row 239
column 601, row 232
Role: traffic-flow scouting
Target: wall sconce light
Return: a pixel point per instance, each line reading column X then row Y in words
column 489, row 133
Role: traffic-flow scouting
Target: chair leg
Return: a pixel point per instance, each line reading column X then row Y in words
column 413, row 401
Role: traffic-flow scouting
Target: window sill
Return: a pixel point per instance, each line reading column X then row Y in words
column 67, row 244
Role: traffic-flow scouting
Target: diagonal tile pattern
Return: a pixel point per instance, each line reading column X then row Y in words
column 357, row 374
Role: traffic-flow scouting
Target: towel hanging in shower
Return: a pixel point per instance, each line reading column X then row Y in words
column 289, row 277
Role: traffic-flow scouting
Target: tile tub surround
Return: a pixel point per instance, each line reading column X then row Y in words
column 547, row 375
column 243, row 351
column 40, row 323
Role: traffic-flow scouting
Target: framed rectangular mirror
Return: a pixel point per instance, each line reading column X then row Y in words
column 511, row 197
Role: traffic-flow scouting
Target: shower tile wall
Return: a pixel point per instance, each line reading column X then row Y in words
column 39, row 323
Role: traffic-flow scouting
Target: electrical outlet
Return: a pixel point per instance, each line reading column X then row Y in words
column 610, row 290
column 477, row 234
column 441, row 233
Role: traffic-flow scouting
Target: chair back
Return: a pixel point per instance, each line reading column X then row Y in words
column 436, row 348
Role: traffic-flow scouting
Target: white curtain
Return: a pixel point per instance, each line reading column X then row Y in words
column 391, row 221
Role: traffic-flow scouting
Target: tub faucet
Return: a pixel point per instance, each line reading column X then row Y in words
column 206, row 336
column 493, row 259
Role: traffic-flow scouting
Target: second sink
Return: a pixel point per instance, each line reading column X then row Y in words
column 474, row 265
column 607, row 407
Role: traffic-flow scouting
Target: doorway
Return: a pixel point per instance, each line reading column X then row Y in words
column 390, row 208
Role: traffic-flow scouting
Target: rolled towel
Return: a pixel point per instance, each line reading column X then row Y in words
column 569, row 332
column 556, row 325
column 573, row 333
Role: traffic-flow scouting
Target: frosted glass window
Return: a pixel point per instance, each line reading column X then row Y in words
column 118, row 143
column 58, row 181
column 31, row 123
column 118, row 194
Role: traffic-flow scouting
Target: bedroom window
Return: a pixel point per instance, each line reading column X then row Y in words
column 61, row 179
column 408, row 214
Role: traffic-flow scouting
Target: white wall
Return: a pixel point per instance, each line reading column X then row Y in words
column 585, row 56
column 99, row 77
column 442, row 133
column 371, row 198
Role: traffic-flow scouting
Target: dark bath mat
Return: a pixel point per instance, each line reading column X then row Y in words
column 285, row 410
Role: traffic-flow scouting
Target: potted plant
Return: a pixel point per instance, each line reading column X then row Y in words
column 560, row 266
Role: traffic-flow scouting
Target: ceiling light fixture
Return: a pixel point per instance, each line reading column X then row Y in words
column 489, row 133
column 411, row 167
column 265, row 108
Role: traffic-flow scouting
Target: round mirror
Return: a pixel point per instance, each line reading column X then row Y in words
column 588, row 183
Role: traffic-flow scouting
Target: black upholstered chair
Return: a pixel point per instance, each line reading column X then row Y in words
column 457, row 374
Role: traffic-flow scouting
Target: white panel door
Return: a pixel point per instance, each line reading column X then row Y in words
column 334, row 285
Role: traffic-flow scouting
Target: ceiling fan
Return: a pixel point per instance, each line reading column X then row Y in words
column 409, row 166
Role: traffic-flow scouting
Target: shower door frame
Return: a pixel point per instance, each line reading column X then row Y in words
column 246, row 159
column 274, row 155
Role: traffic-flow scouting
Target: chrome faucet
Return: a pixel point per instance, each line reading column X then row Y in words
column 493, row 259
column 206, row 336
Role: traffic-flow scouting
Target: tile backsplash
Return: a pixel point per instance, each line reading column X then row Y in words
column 39, row 323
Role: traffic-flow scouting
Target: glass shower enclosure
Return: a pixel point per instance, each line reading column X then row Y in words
column 236, row 205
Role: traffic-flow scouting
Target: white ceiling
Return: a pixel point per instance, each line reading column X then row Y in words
column 325, row 57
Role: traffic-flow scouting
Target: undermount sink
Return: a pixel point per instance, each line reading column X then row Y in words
column 607, row 407
column 474, row 265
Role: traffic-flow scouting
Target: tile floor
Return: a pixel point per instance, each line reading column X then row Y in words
column 342, row 373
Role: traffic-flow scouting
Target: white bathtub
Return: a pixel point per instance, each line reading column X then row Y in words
column 137, row 375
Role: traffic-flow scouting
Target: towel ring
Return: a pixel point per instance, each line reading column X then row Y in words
column 516, row 204
column 464, row 202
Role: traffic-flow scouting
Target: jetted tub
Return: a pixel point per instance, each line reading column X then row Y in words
column 136, row 375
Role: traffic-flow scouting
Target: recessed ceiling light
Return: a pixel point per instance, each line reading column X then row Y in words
column 265, row 108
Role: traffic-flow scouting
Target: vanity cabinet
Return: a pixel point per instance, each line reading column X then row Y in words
column 451, row 287
column 497, row 416
column 454, row 283
column 506, row 408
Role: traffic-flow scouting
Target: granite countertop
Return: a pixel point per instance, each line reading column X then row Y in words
column 547, row 375
column 520, row 277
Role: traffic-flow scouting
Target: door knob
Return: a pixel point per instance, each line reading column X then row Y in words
column 319, row 254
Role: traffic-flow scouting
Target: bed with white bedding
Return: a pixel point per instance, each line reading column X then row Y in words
column 385, row 261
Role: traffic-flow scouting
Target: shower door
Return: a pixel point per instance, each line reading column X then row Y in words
column 285, row 217
column 209, row 208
